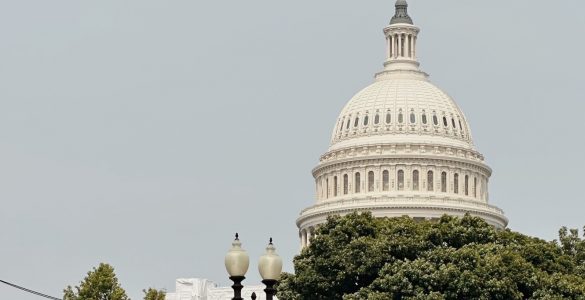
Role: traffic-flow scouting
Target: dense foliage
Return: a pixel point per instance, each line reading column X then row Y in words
column 361, row 257
column 154, row 294
column 100, row 284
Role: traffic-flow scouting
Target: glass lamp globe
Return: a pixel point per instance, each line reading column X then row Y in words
column 237, row 260
column 270, row 264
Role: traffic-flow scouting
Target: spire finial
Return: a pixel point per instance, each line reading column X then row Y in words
column 401, row 15
column 237, row 237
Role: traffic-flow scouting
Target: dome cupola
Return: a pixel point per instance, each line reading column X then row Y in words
column 401, row 15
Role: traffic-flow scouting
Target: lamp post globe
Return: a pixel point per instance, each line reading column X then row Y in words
column 270, row 267
column 237, row 262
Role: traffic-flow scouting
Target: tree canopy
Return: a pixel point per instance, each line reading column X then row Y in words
column 154, row 294
column 362, row 257
column 100, row 284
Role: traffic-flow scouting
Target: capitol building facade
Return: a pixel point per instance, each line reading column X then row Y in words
column 401, row 146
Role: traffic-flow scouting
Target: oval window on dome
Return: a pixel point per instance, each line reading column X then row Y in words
column 453, row 123
column 412, row 118
column 366, row 120
column 357, row 122
column 435, row 120
column 377, row 119
column 445, row 123
column 460, row 127
column 424, row 119
column 388, row 118
column 348, row 122
column 400, row 118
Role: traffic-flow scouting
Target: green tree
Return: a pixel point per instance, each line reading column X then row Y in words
column 362, row 257
column 154, row 294
column 100, row 284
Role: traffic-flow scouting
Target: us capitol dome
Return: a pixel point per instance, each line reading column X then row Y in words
column 401, row 146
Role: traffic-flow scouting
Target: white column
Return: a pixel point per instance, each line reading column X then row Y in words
column 388, row 47
column 413, row 46
column 308, row 242
column 399, row 45
column 303, row 238
column 396, row 48
column 391, row 46
column 407, row 45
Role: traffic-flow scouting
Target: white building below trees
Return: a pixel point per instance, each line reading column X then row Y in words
column 203, row 289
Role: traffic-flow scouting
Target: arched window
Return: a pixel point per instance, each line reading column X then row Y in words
column 474, row 187
column 357, row 183
column 400, row 118
column 460, row 127
column 385, row 180
column 466, row 185
column 377, row 119
column 345, row 184
column 424, row 119
column 327, row 188
column 435, row 121
column 341, row 125
column 456, row 183
column 335, row 186
column 370, row 181
column 400, row 180
column 366, row 120
column 444, row 182
column 348, row 122
column 430, row 181
column 415, row 180
column 388, row 118
column 453, row 123
column 444, row 122
column 357, row 122
column 412, row 118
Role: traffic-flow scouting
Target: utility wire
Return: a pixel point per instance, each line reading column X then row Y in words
column 29, row 291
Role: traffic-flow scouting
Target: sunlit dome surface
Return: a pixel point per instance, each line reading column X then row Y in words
column 401, row 109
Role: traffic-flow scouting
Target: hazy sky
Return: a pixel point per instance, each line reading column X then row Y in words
column 145, row 133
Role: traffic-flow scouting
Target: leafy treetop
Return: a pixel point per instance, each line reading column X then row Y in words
column 362, row 257
column 100, row 284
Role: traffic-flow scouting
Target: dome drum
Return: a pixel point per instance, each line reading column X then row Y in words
column 401, row 177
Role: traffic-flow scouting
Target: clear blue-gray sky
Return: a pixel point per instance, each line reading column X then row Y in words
column 145, row 133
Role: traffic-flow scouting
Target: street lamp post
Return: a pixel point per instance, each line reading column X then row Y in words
column 237, row 262
column 270, row 267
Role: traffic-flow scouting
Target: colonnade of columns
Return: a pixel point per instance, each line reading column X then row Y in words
column 386, row 178
column 401, row 45
column 306, row 235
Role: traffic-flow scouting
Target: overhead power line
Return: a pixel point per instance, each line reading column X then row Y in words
column 29, row 291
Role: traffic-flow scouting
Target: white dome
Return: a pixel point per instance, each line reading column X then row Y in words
column 401, row 146
column 401, row 108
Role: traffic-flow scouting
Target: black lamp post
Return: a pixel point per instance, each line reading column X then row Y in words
column 237, row 262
